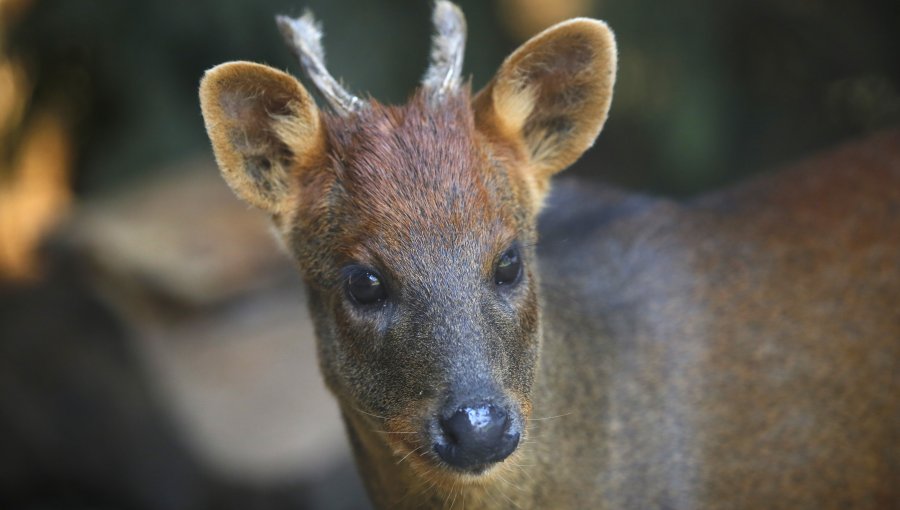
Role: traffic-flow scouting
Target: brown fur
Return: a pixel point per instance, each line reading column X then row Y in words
column 739, row 351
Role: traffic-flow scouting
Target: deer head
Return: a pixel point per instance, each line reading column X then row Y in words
column 413, row 226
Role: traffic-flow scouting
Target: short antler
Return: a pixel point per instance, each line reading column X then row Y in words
column 304, row 36
column 447, row 47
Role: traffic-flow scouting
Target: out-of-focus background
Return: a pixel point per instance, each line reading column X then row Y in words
column 155, row 351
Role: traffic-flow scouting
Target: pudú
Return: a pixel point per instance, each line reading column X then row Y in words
column 738, row 350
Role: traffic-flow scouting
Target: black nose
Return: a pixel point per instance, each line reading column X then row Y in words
column 474, row 437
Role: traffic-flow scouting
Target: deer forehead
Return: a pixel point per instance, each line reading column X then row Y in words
column 419, row 177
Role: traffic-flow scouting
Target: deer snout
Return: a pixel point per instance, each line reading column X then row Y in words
column 472, row 437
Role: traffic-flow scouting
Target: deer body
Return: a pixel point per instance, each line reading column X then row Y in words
column 746, row 346
column 740, row 350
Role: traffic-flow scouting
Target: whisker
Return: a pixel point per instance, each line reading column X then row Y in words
column 428, row 483
column 369, row 414
column 415, row 489
column 450, row 492
column 408, row 454
column 431, row 486
column 520, row 465
column 507, row 482
column 503, row 493
column 493, row 495
column 522, row 469
column 453, row 501
column 551, row 417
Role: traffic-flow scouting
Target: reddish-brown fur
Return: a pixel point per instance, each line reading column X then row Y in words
column 741, row 350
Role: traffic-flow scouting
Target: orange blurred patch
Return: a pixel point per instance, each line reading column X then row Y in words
column 35, row 194
column 524, row 18
column 12, row 10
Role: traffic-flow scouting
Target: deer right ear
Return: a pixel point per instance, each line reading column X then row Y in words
column 264, row 128
column 551, row 96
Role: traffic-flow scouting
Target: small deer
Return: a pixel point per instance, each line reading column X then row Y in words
column 738, row 350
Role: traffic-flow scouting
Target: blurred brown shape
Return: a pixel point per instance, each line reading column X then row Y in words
column 524, row 18
column 181, row 238
column 35, row 193
column 14, row 92
column 11, row 10
column 218, row 320
column 35, row 162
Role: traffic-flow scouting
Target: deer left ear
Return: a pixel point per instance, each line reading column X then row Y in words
column 264, row 128
column 552, row 96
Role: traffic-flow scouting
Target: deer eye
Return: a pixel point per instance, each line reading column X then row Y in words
column 509, row 267
column 365, row 286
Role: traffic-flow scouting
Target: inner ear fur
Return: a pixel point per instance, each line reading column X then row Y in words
column 552, row 95
column 264, row 128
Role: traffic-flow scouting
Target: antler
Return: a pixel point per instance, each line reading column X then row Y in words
column 447, row 48
column 304, row 36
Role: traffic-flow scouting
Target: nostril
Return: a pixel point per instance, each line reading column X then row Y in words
column 476, row 436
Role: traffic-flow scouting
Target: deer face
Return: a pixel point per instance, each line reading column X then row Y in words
column 425, row 302
column 414, row 228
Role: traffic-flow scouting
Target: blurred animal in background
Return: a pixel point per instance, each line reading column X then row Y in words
column 738, row 350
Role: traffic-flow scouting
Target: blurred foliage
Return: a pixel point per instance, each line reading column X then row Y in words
column 708, row 91
column 720, row 89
